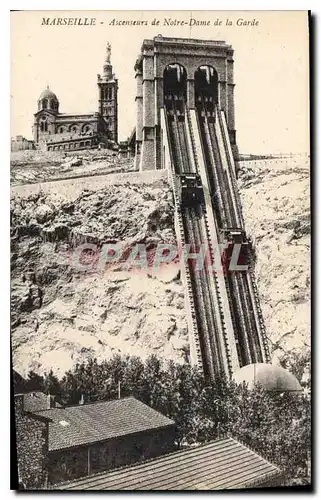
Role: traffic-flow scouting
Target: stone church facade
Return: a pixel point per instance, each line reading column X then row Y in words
column 54, row 131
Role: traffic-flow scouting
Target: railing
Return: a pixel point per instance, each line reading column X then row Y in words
column 231, row 165
column 224, row 159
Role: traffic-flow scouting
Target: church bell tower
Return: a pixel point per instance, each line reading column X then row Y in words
column 107, row 100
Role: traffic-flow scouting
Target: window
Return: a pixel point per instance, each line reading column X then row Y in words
column 43, row 125
column 45, row 104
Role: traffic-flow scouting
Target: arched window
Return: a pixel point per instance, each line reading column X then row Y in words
column 175, row 81
column 45, row 104
column 46, row 126
column 206, row 85
column 41, row 126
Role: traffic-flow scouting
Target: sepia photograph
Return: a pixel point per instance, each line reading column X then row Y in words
column 160, row 250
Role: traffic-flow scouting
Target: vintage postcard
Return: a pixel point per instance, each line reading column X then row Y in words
column 160, row 250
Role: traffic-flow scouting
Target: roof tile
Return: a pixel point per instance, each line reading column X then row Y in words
column 221, row 464
column 89, row 423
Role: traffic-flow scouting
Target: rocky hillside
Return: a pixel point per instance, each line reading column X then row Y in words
column 276, row 207
column 62, row 314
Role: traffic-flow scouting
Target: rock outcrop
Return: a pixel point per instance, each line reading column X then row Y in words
column 276, row 207
column 62, row 314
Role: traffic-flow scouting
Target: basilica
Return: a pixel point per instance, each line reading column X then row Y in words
column 54, row 131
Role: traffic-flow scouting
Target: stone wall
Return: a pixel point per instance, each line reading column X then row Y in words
column 21, row 144
column 125, row 450
column 81, row 142
column 32, row 447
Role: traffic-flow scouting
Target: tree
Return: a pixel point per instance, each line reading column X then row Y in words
column 34, row 382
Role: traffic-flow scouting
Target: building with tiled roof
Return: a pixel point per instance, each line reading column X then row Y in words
column 219, row 465
column 95, row 422
column 56, row 444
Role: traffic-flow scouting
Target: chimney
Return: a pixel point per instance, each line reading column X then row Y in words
column 82, row 401
column 50, row 401
column 19, row 403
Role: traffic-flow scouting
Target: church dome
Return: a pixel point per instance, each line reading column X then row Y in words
column 47, row 94
column 48, row 100
column 270, row 377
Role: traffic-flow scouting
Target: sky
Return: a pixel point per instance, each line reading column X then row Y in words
column 271, row 69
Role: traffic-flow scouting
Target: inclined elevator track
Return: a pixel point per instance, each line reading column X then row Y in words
column 204, row 298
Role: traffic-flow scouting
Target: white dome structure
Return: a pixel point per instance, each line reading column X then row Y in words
column 270, row 377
